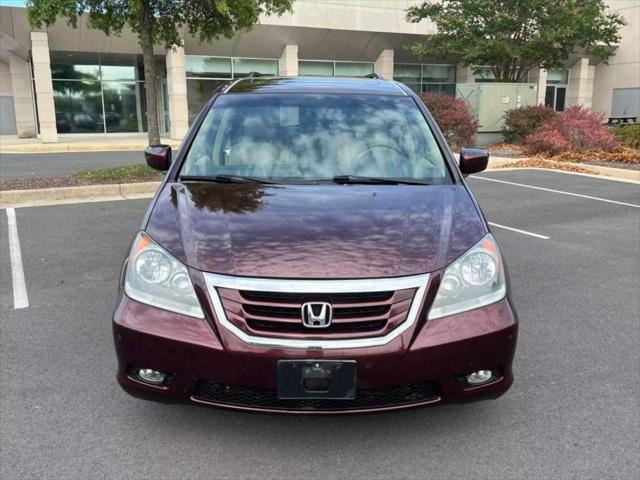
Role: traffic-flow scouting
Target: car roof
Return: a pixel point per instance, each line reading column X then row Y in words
column 345, row 85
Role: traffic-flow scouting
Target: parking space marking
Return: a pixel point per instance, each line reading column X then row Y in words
column 524, row 232
column 20, row 298
column 606, row 200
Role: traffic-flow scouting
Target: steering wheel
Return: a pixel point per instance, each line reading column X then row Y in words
column 398, row 167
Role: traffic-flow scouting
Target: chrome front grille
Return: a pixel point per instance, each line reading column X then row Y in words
column 355, row 314
column 268, row 312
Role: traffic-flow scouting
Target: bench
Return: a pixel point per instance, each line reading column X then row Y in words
column 623, row 119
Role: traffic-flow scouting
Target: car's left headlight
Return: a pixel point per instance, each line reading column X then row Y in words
column 157, row 278
column 474, row 280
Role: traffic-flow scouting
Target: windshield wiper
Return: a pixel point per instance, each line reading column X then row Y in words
column 377, row 180
column 224, row 179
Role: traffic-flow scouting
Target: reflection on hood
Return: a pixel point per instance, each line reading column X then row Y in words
column 315, row 231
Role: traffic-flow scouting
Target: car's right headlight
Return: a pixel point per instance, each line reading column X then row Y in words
column 157, row 278
column 474, row 280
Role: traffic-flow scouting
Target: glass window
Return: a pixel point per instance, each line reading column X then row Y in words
column 124, row 107
column 206, row 74
column 244, row 66
column 198, row 92
column 561, row 93
column 319, row 69
column 555, row 97
column 118, row 72
column 407, row 73
column 439, row 73
column 431, row 88
column 448, row 88
column 114, row 67
column 353, row 69
column 416, row 87
column 427, row 78
column 66, row 70
column 165, row 106
column 212, row 67
column 484, row 74
column 549, row 96
column 558, row 77
column 78, row 106
column 625, row 102
column 315, row 137
column 99, row 94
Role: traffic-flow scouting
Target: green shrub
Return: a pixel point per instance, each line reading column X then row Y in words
column 629, row 135
column 520, row 122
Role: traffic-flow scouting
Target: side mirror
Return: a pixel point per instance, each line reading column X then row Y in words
column 158, row 157
column 473, row 160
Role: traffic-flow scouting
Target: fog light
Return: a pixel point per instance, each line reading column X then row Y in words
column 480, row 377
column 152, row 377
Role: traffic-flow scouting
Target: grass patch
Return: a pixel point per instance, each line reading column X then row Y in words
column 117, row 174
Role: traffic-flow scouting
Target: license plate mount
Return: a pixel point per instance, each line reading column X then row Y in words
column 317, row 379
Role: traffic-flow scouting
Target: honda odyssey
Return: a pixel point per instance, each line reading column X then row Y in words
column 314, row 248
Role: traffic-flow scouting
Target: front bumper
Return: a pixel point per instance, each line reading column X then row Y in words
column 208, row 366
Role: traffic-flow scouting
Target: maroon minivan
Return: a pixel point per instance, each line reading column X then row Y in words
column 314, row 248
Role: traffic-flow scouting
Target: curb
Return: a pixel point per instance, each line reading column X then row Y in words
column 79, row 148
column 89, row 193
column 611, row 173
column 618, row 173
column 496, row 163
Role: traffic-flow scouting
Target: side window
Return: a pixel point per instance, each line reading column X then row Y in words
column 208, row 145
column 427, row 151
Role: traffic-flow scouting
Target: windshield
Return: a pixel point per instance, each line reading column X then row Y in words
column 301, row 137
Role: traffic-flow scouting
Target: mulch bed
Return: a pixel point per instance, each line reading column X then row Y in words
column 538, row 162
column 32, row 183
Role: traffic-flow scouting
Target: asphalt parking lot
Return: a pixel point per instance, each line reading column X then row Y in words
column 16, row 165
column 572, row 244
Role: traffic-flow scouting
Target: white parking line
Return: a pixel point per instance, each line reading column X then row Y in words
column 559, row 191
column 20, row 298
column 524, row 232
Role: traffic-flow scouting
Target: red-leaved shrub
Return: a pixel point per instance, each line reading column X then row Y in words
column 454, row 117
column 548, row 140
column 584, row 130
column 578, row 129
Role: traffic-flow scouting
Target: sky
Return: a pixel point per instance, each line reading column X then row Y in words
column 12, row 3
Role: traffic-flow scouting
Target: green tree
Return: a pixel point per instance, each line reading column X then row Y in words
column 513, row 36
column 157, row 22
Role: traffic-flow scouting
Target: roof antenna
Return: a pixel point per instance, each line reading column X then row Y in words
column 377, row 76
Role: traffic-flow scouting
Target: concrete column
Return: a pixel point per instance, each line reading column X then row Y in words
column 539, row 77
column 384, row 64
column 22, row 97
column 464, row 74
column 580, row 89
column 44, row 87
column 288, row 63
column 177, row 90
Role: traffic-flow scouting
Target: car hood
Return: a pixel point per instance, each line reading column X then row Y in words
column 315, row 231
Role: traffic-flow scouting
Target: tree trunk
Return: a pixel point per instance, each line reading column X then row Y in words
column 145, row 37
